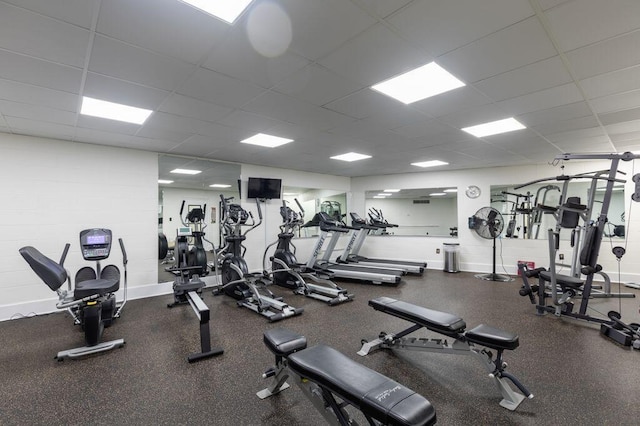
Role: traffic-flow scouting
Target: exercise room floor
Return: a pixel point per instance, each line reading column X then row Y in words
column 578, row 377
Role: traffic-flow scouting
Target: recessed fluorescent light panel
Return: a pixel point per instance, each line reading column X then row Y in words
column 165, row 181
column 265, row 140
column 350, row 156
column 391, row 190
column 227, row 10
column 494, row 127
column 437, row 194
column 185, row 171
column 219, row 185
column 451, row 190
column 379, row 196
column 384, row 194
column 420, row 83
column 432, row 163
column 113, row 111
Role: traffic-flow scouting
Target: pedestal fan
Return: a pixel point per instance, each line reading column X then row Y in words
column 488, row 223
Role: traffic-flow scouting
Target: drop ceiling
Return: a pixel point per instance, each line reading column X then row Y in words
column 568, row 70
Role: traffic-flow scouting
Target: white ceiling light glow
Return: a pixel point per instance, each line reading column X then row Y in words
column 420, row 83
column 494, row 127
column 451, row 190
column 165, row 181
column 350, row 156
column 437, row 194
column 113, row 111
column 227, row 10
column 391, row 190
column 185, row 171
column 432, row 163
column 265, row 140
column 219, row 185
column 384, row 194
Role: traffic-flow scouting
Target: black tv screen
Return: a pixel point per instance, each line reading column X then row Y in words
column 264, row 188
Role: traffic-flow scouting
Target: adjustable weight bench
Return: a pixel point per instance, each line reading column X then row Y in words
column 325, row 375
column 454, row 327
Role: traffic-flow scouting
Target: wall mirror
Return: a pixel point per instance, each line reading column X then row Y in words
column 312, row 201
column 429, row 212
column 528, row 211
column 199, row 189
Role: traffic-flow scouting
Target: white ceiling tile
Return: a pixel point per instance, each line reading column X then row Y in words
column 219, row 89
column 27, row 93
column 577, row 135
column 548, row 98
column 530, row 78
column 622, row 80
column 319, row 27
column 556, row 114
column 77, row 12
column 440, row 27
column 106, row 125
column 236, row 57
column 500, row 52
column 124, row 92
column 620, row 116
column 620, row 138
column 609, row 55
column 580, row 23
column 32, row 34
column 162, row 133
column 616, row 102
column 117, row 59
column 375, row 55
column 317, row 85
column 422, row 129
column 190, row 107
column 250, row 122
column 176, row 123
column 37, row 113
column 475, row 115
column 625, row 127
column 120, row 139
column 383, row 8
column 586, row 122
column 40, row 73
column 454, row 100
column 284, row 108
column 136, row 22
column 24, row 126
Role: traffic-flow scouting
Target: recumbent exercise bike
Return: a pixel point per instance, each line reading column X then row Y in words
column 92, row 302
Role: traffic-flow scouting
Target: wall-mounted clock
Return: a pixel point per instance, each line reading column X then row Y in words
column 472, row 191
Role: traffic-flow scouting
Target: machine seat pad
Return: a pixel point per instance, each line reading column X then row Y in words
column 283, row 342
column 98, row 286
column 52, row 273
column 563, row 280
column 491, row 337
column 440, row 322
column 374, row 394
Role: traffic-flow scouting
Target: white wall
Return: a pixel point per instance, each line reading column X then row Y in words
column 54, row 189
column 475, row 252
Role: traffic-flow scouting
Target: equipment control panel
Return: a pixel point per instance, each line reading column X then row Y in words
column 95, row 243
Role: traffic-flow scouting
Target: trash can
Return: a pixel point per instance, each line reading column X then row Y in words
column 451, row 261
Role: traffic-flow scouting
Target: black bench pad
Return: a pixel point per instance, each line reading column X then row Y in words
column 440, row 322
column 373, row 393
column 49, row 271
column 492, row 337
column 98, row 286
column 283, row 342
column 563, row 280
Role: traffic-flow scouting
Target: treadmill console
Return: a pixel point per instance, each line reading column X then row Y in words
column 95, row 243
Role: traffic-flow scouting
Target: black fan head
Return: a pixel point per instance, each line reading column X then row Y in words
column 489, row 223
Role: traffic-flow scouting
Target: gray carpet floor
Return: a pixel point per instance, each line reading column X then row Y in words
column 578, row 377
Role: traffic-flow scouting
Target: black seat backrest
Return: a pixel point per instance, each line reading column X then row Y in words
column 589, row 249
column 570, row 219
column 52, row 273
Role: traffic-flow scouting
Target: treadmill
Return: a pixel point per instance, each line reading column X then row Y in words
column 351, row 271
column 360, row 231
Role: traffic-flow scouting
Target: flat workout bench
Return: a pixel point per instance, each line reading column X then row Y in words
column 451, row 326
column 324, row 373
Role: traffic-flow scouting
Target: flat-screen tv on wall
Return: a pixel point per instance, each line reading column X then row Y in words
column 264, row 188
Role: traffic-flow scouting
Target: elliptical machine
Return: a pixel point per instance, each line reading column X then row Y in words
column 196, row 254
column 92, row 302
column 249, row 289
column 288, row 273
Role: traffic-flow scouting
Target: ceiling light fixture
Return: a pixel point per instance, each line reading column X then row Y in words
column 384, row 194
column 219, row 185
column 185, row 171
column 437, row 194
column 378, row 196
column 165, row 181
column 432, row 163
column 350, row 156
column 391, row 190
column 265, row 140
column 420, row 83
column 494, row 127
column 113, row 111
column 227, row 10
column 451, row 190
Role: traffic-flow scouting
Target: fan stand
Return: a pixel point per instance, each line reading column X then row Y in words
column 493, row 276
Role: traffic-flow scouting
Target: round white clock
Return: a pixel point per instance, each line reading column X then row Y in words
column 472, row 191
